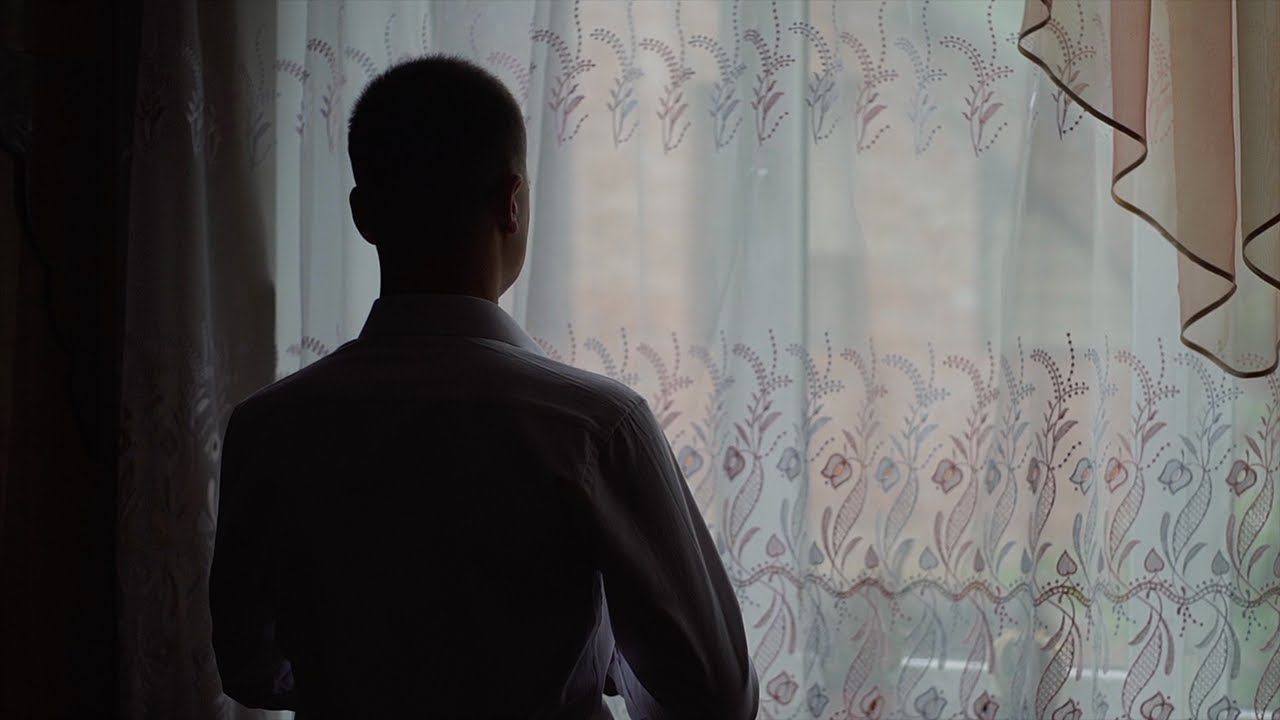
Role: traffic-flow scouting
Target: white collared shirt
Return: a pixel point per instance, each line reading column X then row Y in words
column 438, row 520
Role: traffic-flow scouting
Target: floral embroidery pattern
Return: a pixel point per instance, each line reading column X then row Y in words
column 331, row 107
column 257, row 103
column 723, row 98
column 672, row 104
column 201, row 119
column 922, row 105
column 822, row 92
column 1045, row 435
column 981, row 106
column 622, row 96
column 1074, row 52
column 563, row 96
column 873, row 73
column 766, row 93
column 517, row 73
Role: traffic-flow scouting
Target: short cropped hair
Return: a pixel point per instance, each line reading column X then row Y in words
column 437, row 130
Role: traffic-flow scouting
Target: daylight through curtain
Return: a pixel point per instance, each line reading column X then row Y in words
column 922, row 372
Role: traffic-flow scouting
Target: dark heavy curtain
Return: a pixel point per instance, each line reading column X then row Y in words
column 66, row 77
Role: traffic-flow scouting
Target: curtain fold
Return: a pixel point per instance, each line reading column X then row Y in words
column 879, row 277
column 1192, row 90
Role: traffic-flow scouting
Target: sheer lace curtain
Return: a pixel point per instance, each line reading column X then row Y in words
column 922, row 372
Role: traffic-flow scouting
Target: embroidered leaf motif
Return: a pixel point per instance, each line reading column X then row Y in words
column 817, row 645
column 1055, row 674
column 923, row 651
column 1045, row 505
column 1192, row 515
column 973, row 667
column 850, row 509
column 1003, row 513
column 1255, row 518
column 1268, row 685
column 1125, row 515
column 871, row 114
column 900, row 512
column 771, row 644
column 745, row 501
column 959, row 518
column 1063, row 429
column 1208, row 674
column 860, row 668
column 1151, row 432
column 1143, row 668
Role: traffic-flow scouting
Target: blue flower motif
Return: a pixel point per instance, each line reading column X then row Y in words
column 816, row 699
column 1082, row 476
column 928, row 560
column 1241, row 478
column 815, row 554
column 690, row 460
column 1175, row 476
column 930, row 704
column 992, row 477
column 790, row 463
column 887, row 473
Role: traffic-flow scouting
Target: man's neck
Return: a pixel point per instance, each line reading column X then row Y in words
column 424, row 289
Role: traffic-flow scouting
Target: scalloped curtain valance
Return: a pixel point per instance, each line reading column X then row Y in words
column 1192, row 92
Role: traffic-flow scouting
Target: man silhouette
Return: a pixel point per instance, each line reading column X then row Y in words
column 437, row 521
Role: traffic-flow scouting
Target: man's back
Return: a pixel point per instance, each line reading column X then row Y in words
column 438, row 505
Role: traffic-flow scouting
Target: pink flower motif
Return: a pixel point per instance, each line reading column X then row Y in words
column 774, row 547
column 1156, row 707
column 947, row 476
column 733, row 462
column 782, row 688
column 1069, row 710
column 873, row 704
column 1241, row 478
column 1066, row 566
column 837, row 471
column 1117, row 474
column 1153, row 563
column 985, row 707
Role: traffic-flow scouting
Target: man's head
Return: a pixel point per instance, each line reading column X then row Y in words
column 437, row 149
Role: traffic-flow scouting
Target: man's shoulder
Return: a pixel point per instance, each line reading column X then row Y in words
column 261, row 403
column 537, row 380
column 583, row 389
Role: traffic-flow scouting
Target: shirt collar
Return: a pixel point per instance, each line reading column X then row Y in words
column 444, row 315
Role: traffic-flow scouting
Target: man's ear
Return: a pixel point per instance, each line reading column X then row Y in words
column 363, row 215
column 509, row 221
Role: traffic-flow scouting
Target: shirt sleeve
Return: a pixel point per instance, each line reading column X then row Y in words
column 680, row 638
column 242, row 597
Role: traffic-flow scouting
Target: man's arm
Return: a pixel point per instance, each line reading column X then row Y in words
column 674, row 614
column 242, row 585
